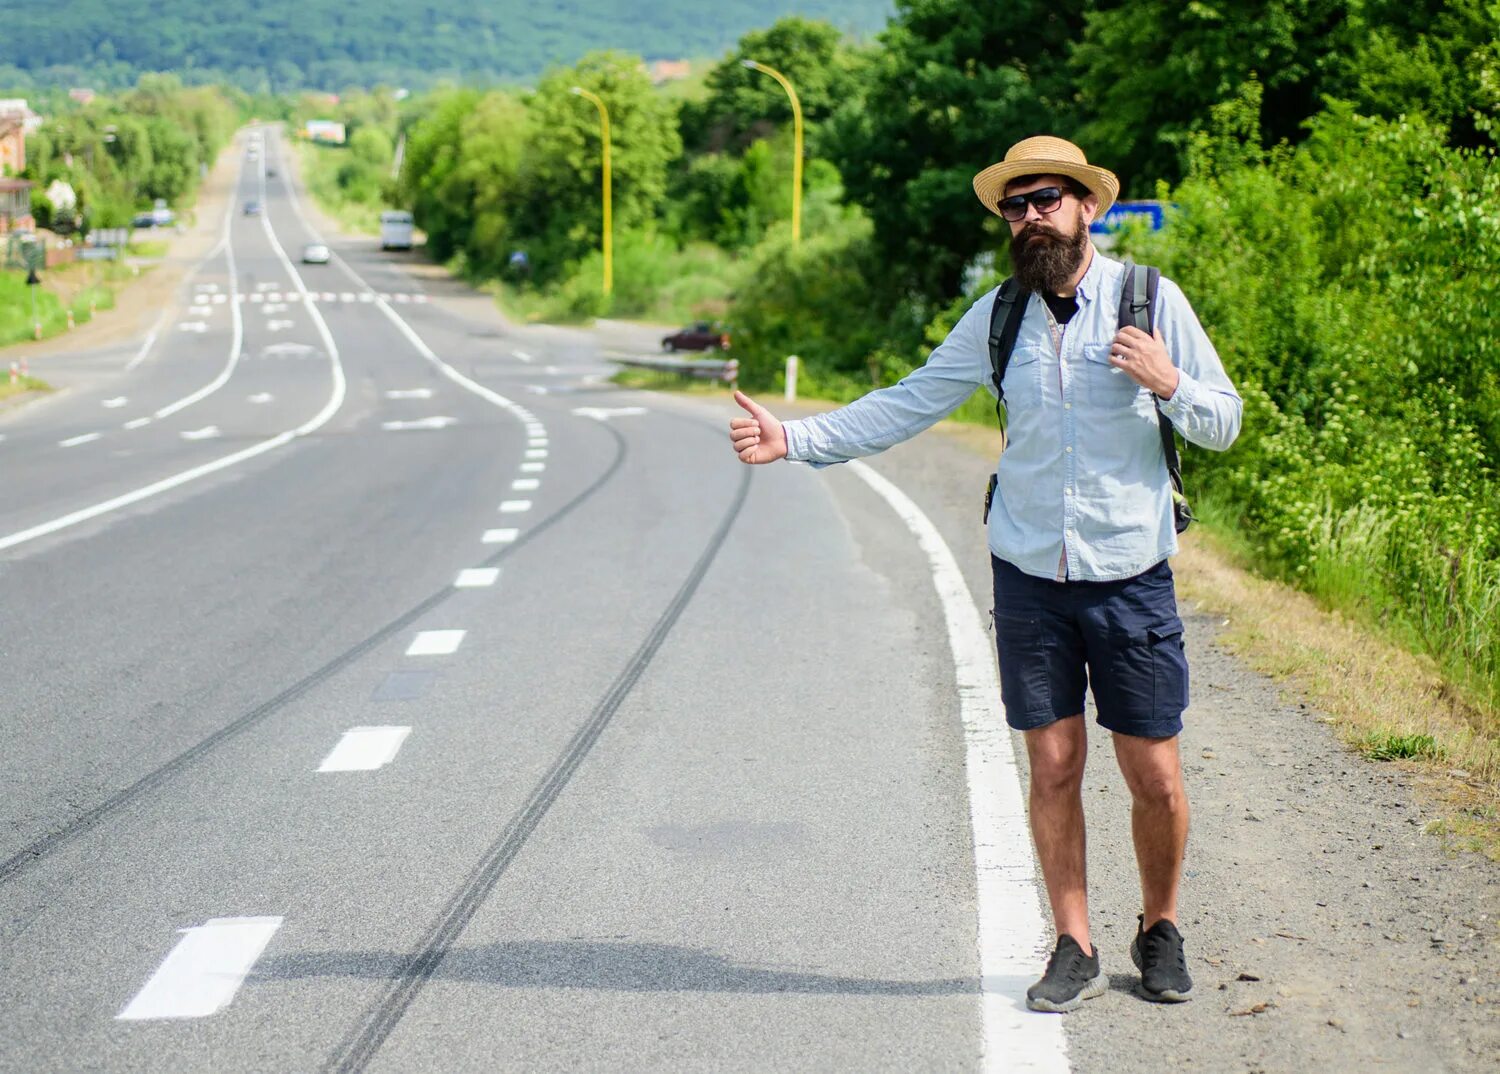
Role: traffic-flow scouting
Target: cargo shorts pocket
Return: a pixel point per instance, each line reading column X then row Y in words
column 1169, row 669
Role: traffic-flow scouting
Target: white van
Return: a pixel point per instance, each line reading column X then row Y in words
column 395, row 230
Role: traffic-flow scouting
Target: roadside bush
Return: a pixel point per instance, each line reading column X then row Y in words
column 1352, row 287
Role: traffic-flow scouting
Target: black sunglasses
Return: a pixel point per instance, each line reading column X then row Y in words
column 1046, row 200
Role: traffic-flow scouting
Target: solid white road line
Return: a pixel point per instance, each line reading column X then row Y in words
column 1012, row 932
column 500, row 536
column 524, row 484
column 364, row 749
column 515, row 507
column 204, row 971
column 74, row 441
column 476, row 577
column 436, row 642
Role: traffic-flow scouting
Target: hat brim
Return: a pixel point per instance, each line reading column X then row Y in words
column 990, row 184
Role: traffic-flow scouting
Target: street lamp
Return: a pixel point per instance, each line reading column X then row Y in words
column 609, row 270
column 796, row 141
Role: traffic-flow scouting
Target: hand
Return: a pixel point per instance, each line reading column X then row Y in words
column 1145, row 360
column 758, row 438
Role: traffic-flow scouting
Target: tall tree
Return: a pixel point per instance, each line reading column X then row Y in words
column 954, row 85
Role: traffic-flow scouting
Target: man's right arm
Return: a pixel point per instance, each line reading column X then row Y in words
column 890, row 415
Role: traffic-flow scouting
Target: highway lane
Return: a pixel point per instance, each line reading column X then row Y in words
column 584, row 848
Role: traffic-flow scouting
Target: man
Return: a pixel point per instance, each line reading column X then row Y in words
column 1079, row 534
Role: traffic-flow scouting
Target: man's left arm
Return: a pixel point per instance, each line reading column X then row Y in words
column 1204, row 407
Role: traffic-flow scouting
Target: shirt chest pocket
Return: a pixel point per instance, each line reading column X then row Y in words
column 1103, row 384
column 1022, row 377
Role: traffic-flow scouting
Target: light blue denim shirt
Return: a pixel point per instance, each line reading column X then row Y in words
column 1083, row 480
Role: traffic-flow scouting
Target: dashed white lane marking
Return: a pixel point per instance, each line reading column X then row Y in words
column 515, row 507
column 436, row 642
column 208, row 432
column 204, row 971
column 420, row 423
column 364, row 749
column 261, row 397
column 535, row 430
column 524, row 484
column 192, row 326
column 346, row 297
column 74, row 441
column 402, row 297
column 409, row 393
column 533, row 467
column 219, row 300
column 273, row 307
column 522, row 355
column 604, row 413
column 207, row 288
column 537, row 442
column 500, row 536
column 536, row 453
column 137, row 423
column 536, row 389
column 1012, row 932
column 257, row 297
column 280, row 326
column 115, row 403
column 476, row 577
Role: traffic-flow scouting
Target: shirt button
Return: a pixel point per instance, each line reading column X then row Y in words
column 1067, row 406
column 1069, row 449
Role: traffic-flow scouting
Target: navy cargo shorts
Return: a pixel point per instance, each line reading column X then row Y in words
column 1122, row 638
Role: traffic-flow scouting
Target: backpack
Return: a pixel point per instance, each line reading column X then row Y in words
column 1138, row 308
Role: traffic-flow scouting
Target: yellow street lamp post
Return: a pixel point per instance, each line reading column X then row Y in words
column 609, row 268
column 797, row 144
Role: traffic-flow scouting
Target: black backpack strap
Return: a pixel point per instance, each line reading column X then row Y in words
column 1005, row 326
column 1138, row 309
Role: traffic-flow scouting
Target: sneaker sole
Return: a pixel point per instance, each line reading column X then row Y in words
column 1097, row 987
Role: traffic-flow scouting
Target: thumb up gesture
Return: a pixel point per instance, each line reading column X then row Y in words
column 758, row 438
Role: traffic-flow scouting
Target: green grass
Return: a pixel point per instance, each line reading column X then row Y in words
column 1393, row 747
column 151, row 248
column 16, row 323
column 21, row 386
column 319, row 167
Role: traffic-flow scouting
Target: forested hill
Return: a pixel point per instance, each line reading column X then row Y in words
column 282, row 45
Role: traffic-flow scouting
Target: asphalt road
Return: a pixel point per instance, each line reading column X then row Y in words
column 385, row 691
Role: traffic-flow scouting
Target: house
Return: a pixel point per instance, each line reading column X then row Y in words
column 15, row 205
column 12, row 143
column 670, row 71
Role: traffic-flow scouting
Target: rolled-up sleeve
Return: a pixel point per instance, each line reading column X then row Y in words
column 888, row 416
column 1205, row 408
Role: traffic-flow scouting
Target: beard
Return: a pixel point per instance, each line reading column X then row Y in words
column 1044, row 259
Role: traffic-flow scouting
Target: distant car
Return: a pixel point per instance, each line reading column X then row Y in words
column 702, row 336
column 270, row 172
column 252, row 208
column 143, row 220
column 161, row 216
column 315, row 253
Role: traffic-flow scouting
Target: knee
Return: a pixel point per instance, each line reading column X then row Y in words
column 1159, row 790
column 1057, row 774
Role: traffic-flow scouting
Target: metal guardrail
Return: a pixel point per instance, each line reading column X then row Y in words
column 724, row 369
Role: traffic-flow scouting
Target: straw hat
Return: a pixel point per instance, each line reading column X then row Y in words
column 1045, row 155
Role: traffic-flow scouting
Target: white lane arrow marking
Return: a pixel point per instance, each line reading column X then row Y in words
column 117, row 401
column 261, row 397
column 267, row 286
column 604, row 413
column 277, row 326
column 208, row 432
column 274, row 307
column 420, row 423
column 289, row 350
column 409, row 393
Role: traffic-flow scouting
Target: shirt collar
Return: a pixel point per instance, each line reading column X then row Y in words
column 1088, row 287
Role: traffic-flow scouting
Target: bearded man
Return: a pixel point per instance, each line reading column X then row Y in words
column 1079, row 534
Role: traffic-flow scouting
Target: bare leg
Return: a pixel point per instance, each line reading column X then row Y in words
column 1057, row 753
column 1158, row 819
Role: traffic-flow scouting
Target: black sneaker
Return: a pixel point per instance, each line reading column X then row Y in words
column 1071, row 978
column 1157, row 953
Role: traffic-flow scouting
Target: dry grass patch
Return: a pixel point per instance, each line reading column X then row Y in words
column 1387, row 703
